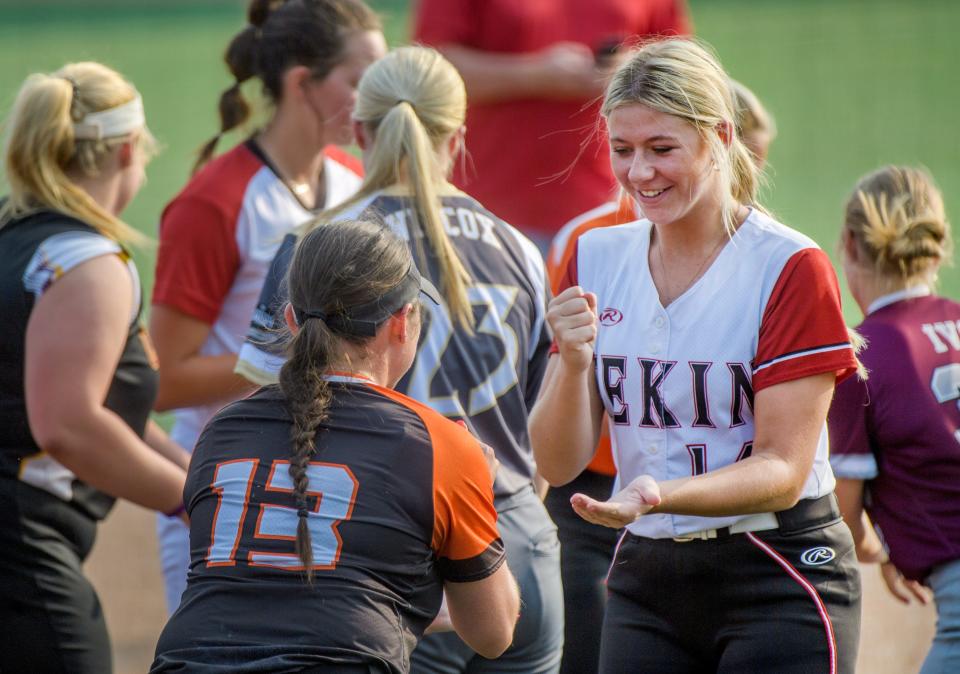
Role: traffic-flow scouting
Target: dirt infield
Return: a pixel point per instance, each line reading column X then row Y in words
column 126, row 571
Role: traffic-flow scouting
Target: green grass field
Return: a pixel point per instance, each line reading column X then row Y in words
column 852, row 84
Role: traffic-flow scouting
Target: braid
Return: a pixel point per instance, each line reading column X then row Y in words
column 308, row 395
column 347, row 263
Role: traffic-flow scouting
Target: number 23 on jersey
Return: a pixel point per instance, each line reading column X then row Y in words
column 332, row 489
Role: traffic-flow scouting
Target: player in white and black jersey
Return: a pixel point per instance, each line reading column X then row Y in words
column 484, row 348
column 712, row 337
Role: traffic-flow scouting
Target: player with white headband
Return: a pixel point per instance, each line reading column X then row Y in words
column 78, row 376
column 111, row 123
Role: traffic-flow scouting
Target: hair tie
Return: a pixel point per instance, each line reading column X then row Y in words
column 74, row 90
column 301, row 315
column 302, row 512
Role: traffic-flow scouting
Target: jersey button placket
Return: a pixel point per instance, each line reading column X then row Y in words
column 662, row 344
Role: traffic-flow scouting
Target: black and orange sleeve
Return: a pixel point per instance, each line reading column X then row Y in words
column 465, row 536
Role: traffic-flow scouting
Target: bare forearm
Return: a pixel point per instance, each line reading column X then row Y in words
column 162, row 444
column 755, row 485
column 868, row 546
column 200, row 380
column 563, row 429
column 491, row 77
column 563, row 71
column 101, row 450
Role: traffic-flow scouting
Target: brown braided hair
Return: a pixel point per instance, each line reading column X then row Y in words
column 336, row 266
column 278, row 36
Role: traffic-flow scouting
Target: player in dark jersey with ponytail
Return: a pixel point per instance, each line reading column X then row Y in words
column 330, row 514
column 895, row 438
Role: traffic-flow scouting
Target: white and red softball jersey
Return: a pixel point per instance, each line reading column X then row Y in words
column 678, row 383
column 217, row 239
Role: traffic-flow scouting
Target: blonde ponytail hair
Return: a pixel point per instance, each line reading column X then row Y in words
column 896, row 215
column 413, row 101
column 680, row 77
column 40, row 146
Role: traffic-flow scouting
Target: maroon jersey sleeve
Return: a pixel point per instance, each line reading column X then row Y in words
column 802, row 332
column 439, row 22
column 198, row 258
column 851, row 455
column 670, row 17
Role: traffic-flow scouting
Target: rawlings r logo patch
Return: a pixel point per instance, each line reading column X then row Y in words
column 817, row 556
column 610, row 316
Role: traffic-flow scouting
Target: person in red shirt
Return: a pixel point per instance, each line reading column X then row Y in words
column 534, row 72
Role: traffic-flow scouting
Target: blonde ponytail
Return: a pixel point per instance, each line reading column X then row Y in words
column 413, row 101
column 41, row 147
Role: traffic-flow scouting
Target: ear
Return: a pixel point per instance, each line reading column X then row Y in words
column 360, row 134
column 849, row 244
column 291, row 319
column 456, row 142
column 125, row 153
column 400, row 323
column 726, row 132
column 294, row 79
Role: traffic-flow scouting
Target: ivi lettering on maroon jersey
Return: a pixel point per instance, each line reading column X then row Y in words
column 649, row 376
column 944, row 335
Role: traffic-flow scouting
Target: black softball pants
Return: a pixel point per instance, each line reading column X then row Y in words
column 784, row 601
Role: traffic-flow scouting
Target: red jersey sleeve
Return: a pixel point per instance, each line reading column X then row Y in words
column 198, row 257
column 802, row 332
column 344, row 158
column 439, row 22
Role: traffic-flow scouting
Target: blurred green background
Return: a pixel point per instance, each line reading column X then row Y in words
column 852, row 83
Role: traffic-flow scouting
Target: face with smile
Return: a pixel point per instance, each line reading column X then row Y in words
column 333, row 97
column 663, row 163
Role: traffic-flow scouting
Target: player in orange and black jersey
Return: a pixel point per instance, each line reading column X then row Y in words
column 330, row 514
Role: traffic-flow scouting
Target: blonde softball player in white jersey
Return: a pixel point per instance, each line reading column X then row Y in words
column 711, row 336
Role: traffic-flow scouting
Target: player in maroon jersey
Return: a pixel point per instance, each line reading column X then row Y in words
column 894, row 438
column 330, row 514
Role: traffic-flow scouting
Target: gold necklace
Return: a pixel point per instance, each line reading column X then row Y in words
column 696, row 274
column 300, row 189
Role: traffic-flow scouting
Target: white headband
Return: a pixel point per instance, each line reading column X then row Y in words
column 111, row 123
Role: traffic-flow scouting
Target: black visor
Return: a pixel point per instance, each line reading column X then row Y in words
column 362, row 320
